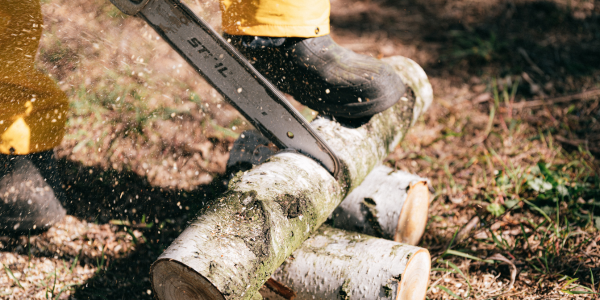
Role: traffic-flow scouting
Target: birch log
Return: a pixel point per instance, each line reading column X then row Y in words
column 236, row 243
column 337, row 264
column 388, row 204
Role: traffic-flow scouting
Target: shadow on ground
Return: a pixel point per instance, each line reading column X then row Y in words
column 114, row 197
column 541, row 38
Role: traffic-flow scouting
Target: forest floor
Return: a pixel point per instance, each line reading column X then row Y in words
column 512, row 138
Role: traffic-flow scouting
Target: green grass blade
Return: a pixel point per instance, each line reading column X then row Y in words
column 576, row 292
column 465, row 255
column 445, row 289
column 496, row 241
column 68, row 286
column 524, row 234
column 451, row 241
column 536, row 208
column 74, row 263
column 453, row 266
column 592, row 278
column 135, row 240
column 12, row 276
column 54, row 284
column 443, row 269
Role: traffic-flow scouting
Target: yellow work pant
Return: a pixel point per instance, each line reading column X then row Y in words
column 32, row 108
column 276, row 18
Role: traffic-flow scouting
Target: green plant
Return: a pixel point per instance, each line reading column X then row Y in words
column 11, row 275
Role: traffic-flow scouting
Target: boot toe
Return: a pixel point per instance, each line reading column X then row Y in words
column 326, row 77
column 29, row 193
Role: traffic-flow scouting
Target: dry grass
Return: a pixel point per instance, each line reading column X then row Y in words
column 47, row 266
column 146, row 136
column 481, row 173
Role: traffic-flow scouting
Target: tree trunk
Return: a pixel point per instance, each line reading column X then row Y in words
column 388, row 204
column 336, row 264
column 236, row 243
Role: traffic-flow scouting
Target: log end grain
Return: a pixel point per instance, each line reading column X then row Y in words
column 174, row 280
column 413, row 217
column 413, row 285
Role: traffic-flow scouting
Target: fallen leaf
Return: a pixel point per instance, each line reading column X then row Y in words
column 513, row 268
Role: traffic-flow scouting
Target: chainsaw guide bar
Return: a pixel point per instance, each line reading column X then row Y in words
column 233, row 76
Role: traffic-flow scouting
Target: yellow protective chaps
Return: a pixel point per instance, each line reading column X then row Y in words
column 32, row 108
column 276, row 18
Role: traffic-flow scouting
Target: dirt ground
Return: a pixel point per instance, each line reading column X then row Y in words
column 512, row 139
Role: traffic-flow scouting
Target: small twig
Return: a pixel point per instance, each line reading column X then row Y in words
column 280, row 289
column 576, row 143
column 584, row 96
column 530, row 62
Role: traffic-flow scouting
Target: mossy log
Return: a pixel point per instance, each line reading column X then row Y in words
column 388, row 204
column 234, row 245
column 337, row 264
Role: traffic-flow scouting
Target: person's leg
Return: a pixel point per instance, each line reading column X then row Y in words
column 288, row 42
column 32, row 120
column 276, row 18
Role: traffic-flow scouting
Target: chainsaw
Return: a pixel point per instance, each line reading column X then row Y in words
column 233, row 77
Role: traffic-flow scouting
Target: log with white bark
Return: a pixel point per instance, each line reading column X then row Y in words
column 236, row 243
column 337, row 264
column 388, row 204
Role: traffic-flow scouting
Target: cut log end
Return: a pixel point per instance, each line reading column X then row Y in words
column 413, row 285
column 173, row 280
column 413, row 217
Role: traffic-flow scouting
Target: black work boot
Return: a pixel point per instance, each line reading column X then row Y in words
column 323, row 75
column 30, row 189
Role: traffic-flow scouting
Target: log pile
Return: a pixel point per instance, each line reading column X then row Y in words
column 268, row 212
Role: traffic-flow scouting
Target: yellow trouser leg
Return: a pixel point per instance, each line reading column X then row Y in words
column 276, row 18
column 32, row 108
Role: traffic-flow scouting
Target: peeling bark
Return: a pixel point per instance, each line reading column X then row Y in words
column 234, row 245
column 336, row 264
